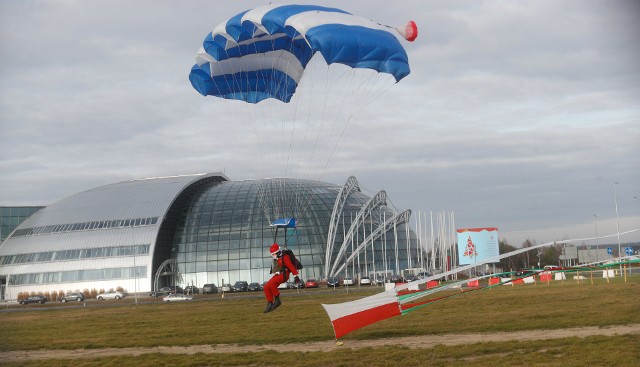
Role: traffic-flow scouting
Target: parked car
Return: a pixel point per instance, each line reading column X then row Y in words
column 172, row 289
column 365, row 281
column 348, row 281
column 33, row 299
column 254, row 287
column 240, row 286
column 226, row 287
column 209, row 288
column 396, row 279
column 410, row 278
column 191, row 289
column 380, row 280
column 333, row 282
column 158, row 293
column 73, row 296
column 166, row 291
column 110, row 295
column 284, row 285
column 424, row 275
column 311, row 283
column 174, row 297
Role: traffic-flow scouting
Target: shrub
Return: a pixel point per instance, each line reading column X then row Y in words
column 94, row 293
column 119, row 289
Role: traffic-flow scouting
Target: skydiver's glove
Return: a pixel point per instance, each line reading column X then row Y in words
column 297, row 279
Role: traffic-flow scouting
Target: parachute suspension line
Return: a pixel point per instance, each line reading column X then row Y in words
column 343, row 104
column 273, row 193
column 351, row 105
column 260, row 119
column 374, row 91
column 294, row 118
column 262, row 198
column 304, row 106
column 335, row 96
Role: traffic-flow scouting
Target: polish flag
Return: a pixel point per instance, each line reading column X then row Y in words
column 349, row 316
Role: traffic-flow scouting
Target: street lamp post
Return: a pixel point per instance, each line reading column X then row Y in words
column 595, row 219
column 615, row 197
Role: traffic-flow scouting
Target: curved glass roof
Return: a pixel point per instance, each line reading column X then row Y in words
column 224, row 232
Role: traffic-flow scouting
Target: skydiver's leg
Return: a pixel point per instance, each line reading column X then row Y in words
column 276, row 302
column 272, row 294
column 271, row 288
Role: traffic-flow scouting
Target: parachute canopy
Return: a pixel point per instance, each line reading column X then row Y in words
column 262, row 53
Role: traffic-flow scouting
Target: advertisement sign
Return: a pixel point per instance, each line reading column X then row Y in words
column 477, row 244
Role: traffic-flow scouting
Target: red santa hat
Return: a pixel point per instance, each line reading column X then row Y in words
column 274, row 248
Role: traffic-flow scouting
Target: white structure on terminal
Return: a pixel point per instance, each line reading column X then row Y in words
column 109, row 236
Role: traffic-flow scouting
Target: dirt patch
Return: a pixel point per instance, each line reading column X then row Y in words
column 424, row 341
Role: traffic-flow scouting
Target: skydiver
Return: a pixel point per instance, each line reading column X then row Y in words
column 281, row 269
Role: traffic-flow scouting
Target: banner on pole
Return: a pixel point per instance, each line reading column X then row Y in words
column 475, row 245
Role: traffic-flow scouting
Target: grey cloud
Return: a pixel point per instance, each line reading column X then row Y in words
column 519, row 115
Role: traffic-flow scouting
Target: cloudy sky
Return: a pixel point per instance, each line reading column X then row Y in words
column 517, row 114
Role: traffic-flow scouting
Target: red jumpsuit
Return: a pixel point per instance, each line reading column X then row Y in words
column 271, row 288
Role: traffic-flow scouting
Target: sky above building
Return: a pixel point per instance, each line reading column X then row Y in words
column 517, row 115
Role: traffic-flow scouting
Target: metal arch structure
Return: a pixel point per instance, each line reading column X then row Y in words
column 376, row 201
column 350, row 186
column 168, row 267
column 402, row 217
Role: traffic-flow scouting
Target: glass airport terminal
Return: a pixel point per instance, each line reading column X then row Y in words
column 144, row 234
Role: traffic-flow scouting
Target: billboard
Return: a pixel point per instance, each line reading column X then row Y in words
column 477, row 244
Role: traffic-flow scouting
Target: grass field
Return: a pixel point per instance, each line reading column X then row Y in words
column 239, row 320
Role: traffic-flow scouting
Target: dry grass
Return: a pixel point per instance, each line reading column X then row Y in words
column 301, row 318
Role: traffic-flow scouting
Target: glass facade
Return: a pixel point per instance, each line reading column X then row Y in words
column 85, row 226
column 75, row 254
column 224, row 232
column 11, row 217
column 78, row 276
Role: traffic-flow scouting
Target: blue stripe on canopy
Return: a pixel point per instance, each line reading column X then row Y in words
column 251, row 87
column 359, row 47
column 253, row 80
column 236, row 30
column 298, row 47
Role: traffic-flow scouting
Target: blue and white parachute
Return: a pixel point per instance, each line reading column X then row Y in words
column 325, row 64
column 262, row 53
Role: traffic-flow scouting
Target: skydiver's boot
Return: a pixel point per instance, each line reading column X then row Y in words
column 276, row 303
column 269, row 307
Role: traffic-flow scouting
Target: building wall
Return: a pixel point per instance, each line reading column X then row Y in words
column 216, row 230
column 101, row 238
column 11, row 217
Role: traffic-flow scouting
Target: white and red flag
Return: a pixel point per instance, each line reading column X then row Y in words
column 349, row 316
